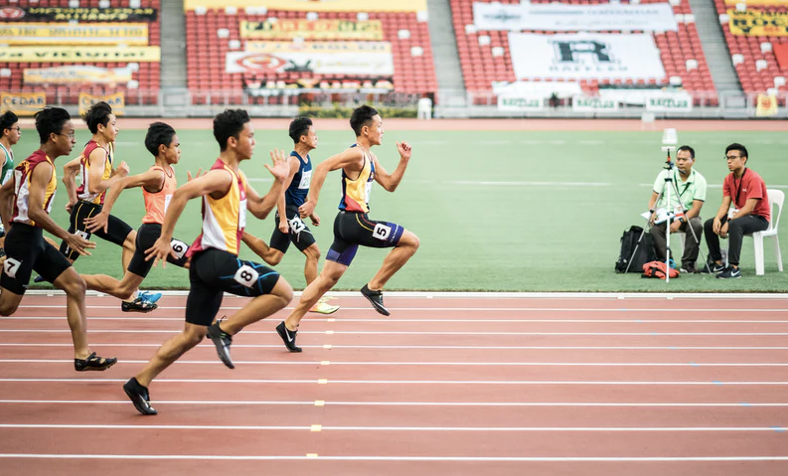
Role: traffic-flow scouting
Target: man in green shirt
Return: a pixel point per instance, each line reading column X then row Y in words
column 687, row 196
column 10, row 133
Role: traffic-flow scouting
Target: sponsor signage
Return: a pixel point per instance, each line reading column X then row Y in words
column 758, row 23
column 77, row 75
column 669, row 102
column 75, row 54
column 521, row 103
column 80, row 14
column 23, row 104
column 80, row 34
column 328, row 58
column 117, row 101
column 587, row 104
column 313, row 29
column 316, row 5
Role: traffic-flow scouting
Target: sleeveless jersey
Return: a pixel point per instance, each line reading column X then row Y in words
column 23, row 173
column 223, row 219
column 296, row 192
column 355, row 193
column 83, row 192
column 8, row 169
column 156, row 203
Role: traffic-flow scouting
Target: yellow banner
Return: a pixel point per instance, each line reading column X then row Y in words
column 751, row 3
column 329, row 47
column 117, row 101
column 313, row 30
column 77, row 75
column 766, row 106
column 73, row 54
column 317, row 5
column 67, row 34
column 23, row 104
column 757, row 23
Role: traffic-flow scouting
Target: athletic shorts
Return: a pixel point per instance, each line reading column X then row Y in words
column 147, row 235
column 27, row 251
column 299, row 234
column 117, row 229
column 214, row 272
column 352, row 229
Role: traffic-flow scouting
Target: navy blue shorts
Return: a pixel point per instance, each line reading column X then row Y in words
column 354, row 229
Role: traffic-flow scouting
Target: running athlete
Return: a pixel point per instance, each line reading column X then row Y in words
column 158, row 186
column 98, row 176
column 290, row 226
column 215, row 266
column 32, row 191
column 10, row 134
column 352, row 226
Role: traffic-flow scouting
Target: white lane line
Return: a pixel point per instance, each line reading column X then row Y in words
column 458, row 459
column 427, row 364
column 411, row 404
column 439, row 333
column 408, row 382
column 678, row 429
column 425, row 347
column 340, row 320
column 469, row 309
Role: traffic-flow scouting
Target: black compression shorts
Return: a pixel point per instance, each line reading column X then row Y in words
column 147, row 235
column 300, row 234
column 27, row 251
column 352, row 229
column 117, row 229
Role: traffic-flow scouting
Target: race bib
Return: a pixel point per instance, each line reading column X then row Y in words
column 242, row 214
column 179, row 248
column 246, row 276
column 82, row 234
column 167, row 199
column 381, row 232
column 296, row 225
column 11, row 266
column 306, row 177
column 367, row 191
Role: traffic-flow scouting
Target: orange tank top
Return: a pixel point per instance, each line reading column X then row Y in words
column 156, row 203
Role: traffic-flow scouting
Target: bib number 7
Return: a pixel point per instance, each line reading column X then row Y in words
column 11, row 266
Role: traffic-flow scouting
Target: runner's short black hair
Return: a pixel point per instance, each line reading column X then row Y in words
column 736, row 146
column 7, row 120
column 299, row 127
column 97, row 114
column 361, row 117
column 50, row 120
column 158, row 133
column 228, row 124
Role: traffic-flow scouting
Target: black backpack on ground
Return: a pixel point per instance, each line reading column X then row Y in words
column 635, row 260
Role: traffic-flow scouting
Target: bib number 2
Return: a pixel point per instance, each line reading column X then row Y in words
column 296, row 225
column 246, row 276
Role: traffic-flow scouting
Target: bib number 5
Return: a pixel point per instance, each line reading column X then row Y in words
column 382, row 232
column 246, row 276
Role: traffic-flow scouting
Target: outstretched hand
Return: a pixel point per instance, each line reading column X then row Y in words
column 280, row 169
column 189, row 177
column 159, row 251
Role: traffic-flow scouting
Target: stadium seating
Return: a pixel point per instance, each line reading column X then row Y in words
column 147, row 76
column 206, row 54
column 752, row 50
column 481, row 66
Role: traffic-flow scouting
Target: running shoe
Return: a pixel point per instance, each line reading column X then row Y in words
column 376, row 299
column 730, row 273
column 288, row 337
column 139, row 396
column 138, row 305
column 322, row 307
column 151, row 297
column 222, row 341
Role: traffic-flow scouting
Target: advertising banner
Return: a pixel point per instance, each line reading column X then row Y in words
column 317, row 5
column 766, row 105
column 80, row 34
column 77, row 75
column 331, row 57
column 285, row 29
column 669, row 102
column 117, row 101
column 22, row 104
column 566, row 17
column 312, row 85
column 585, row 56
column 14, row 13
column 758, row 23
column 75, row 54
column 586, row 104
column 521, row 103
column 759, row 3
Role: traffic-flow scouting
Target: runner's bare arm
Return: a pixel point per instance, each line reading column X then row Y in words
column 70, row 172
column 390, row 181
column 151, row 180
column 7, row 202
column 96, row 171
column 259, row 206
column 347, row 158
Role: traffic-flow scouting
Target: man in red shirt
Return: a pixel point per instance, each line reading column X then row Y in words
column 745, row 209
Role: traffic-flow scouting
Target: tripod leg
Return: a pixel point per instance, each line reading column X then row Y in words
column 637, row 245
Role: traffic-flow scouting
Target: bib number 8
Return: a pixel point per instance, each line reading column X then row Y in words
column 246, row 276
column 296, row 225
column 179, row 248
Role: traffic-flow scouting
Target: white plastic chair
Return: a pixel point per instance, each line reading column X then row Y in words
column 776, row 200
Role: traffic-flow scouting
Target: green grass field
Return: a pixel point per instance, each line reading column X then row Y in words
column 495, row 211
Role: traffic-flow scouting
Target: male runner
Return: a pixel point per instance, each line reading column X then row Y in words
column 32, row 192
column 10, row 134
column 290, row 227
column 215, row 266
column 98, row 176
column 158, row 186
column 352, row 226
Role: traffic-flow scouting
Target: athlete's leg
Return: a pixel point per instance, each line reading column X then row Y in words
column 9, row 302
column 123, row 289
column 171, row 351
column 272, row 256
column 406, row 247
column 328, row 278
column 74, row 287
column 312, row 254
column 259, row 308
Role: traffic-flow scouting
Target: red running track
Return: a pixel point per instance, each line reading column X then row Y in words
column 549, row 385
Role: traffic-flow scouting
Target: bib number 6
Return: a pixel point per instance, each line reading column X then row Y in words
column 246, row 276
column 179, row 248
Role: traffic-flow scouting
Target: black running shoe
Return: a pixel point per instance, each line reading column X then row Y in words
column 376, row 299
column 39, row 279
column 222, row 341
column 288, row 337
column 712, row 267
column 730, row 273
column 138, row 305
column 139, row 397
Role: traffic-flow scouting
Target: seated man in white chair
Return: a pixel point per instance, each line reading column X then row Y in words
column 745, row 209
column 687, row 196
